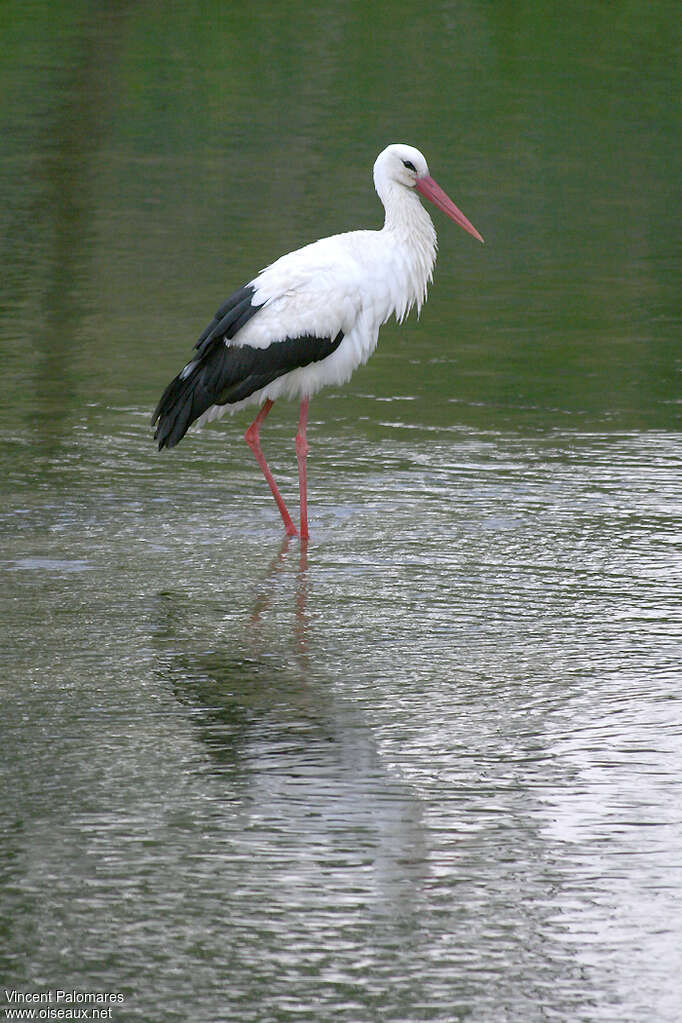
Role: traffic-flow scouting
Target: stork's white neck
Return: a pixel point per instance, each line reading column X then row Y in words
column 408, row 228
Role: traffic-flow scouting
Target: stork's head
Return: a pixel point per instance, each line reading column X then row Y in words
column 400, row 164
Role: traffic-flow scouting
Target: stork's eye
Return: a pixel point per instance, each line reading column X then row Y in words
column 409, row 165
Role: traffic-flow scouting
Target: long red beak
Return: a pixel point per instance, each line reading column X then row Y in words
column 431, row 190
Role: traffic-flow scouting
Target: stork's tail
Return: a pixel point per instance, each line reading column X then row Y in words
column 181, row 404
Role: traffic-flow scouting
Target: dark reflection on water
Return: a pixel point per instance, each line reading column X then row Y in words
column 327, row 842
column 428, row 769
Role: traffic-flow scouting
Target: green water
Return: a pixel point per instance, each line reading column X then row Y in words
column 429, row 768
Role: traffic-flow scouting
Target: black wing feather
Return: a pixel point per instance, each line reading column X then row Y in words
column 231, row 317
column 222, row 374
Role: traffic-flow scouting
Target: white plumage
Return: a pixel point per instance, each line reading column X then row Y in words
column 313, row 316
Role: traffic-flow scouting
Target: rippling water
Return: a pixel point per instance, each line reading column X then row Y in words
column 428, row 769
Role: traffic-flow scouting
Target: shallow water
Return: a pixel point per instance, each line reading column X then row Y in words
column 429, row 767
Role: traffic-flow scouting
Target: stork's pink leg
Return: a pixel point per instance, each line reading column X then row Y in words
column 252, row 438
column 301, row 452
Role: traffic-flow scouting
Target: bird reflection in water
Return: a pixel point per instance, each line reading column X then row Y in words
column 263, row 599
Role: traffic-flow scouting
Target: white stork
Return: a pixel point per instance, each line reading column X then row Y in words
column 312, row 317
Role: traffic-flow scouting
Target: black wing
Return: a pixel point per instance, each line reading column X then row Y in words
column 231, row 317
column 222, row 374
